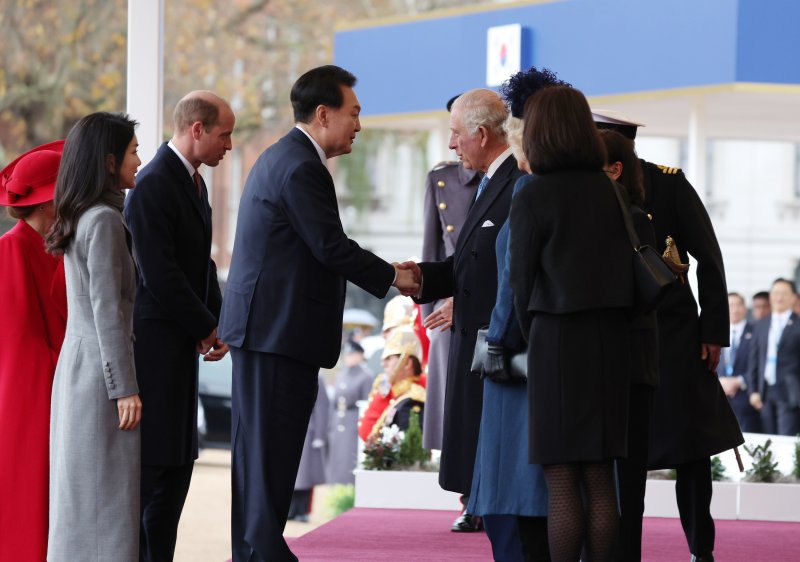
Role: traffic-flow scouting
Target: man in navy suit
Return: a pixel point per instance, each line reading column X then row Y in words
column 733, row 367
column 470, row 277
column 176, row 309
column 282, row 312
column 774, row 380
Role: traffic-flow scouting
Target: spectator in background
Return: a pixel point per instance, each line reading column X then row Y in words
column 734, row 366
column 34, row 308
column 760, row 305
column 774, row 379
column 449, row 191
column 353, row 384
column 312, row 461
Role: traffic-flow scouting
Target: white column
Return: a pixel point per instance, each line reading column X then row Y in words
column 696, row 147
column 145, row 94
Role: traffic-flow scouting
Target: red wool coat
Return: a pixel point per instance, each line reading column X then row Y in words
column 33, row 308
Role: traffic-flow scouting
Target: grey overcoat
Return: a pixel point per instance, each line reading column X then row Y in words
column 94, row 466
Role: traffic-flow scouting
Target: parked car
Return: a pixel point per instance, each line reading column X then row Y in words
column 214, row 406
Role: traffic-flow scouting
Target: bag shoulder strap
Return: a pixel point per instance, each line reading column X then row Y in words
column 626, row 214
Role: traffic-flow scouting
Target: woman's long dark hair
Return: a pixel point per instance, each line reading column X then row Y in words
column 83, row 177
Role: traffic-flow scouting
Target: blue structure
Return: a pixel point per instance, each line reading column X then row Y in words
column 603, row 47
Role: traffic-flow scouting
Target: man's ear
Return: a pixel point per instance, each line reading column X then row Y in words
column 111, row 164
column 483, row 135
column 197, row 130
column 321, row 114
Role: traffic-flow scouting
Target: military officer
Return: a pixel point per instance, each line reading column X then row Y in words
column 692, row 418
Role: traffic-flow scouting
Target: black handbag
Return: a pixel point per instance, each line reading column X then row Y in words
column 518, row 362
column 653, row 278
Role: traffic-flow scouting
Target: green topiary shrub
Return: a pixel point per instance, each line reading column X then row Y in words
column 764, row 468
column 340, row 498
column 717, row 470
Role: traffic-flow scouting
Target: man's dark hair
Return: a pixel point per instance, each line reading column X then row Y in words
column 761, row 295
column 736, row 295
column 559, row 132
column 784, row 280
column 319, row 86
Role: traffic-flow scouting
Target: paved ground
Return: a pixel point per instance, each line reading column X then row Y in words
column 204, row 532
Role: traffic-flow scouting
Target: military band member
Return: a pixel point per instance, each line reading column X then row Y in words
column 393, row 405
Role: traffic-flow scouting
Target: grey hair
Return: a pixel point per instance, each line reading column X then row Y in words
column 482, row 108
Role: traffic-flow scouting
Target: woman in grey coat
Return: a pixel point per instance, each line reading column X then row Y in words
column 94, row 436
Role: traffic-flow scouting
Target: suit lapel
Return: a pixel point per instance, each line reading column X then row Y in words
column 788, row 329
column 478, row 209
column 187, row 187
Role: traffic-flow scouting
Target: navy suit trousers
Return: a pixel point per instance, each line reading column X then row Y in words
column 272, row 400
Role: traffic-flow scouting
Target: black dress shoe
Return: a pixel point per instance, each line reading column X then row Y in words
column 467, row 523
column 702, row 558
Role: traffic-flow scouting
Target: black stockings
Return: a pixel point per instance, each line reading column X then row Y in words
column 575, row 522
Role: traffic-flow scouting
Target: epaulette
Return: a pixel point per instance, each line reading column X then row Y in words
column 668, row 169
column 416, row 393
column 444, row 164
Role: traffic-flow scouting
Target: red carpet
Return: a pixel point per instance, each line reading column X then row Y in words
column 377, row 535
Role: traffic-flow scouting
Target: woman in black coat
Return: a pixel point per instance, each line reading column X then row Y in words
column 572, row 279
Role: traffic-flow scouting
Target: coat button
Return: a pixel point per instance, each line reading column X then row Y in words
column 450, row 228
column 440, row 183
column 443, row 206
column 463, row 331
column 473, row 253
column 466, row 292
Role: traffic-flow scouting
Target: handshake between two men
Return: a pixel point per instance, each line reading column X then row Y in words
column 408, row 278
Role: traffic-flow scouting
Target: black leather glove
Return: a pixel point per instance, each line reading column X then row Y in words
column 495, row 365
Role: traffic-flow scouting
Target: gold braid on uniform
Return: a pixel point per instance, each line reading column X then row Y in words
column 406, row 388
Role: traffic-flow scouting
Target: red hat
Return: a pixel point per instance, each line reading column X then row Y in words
column 31, row 178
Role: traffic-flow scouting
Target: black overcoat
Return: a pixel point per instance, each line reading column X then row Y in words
column 692, row 418
column 177, row 303
column 470, row 276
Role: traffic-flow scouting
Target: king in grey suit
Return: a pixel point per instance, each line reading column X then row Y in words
column 290, row 261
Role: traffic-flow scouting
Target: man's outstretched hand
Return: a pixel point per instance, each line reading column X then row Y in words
column 409, row 278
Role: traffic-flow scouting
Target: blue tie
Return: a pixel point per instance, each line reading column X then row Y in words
column 481, row 186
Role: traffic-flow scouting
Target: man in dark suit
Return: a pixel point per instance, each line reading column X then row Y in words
column 449, row 191
column 692, row 418
column 470, row 277
column 733, row 368
column 774, row 379
column 176, row 309
column 282, row 313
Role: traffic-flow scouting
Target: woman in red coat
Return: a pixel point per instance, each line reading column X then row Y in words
column 34, row 309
